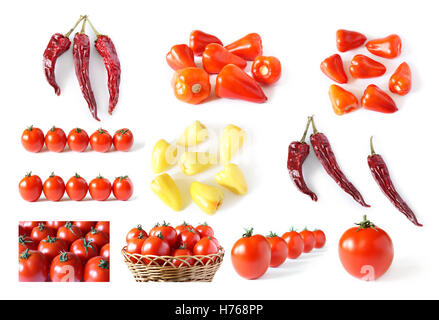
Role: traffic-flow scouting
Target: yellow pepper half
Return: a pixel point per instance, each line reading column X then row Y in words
column 166, row 189
column 207, row 198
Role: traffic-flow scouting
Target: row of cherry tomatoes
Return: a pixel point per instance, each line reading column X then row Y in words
column 252, row 255
column 100, row 188
column 192, row 84
column 182, row 241
column 64, row 251
column 33, row 140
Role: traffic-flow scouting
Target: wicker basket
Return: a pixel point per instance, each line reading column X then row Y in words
column 162, row 268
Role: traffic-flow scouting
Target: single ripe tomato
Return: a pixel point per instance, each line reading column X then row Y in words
column 101, row 140
column 69, row 233
column 99, row 238
column 32, row 266
column 105, row 251
column 266, row 70
column 295, row 243
column 188, row 238
column 66, row 267
column 99, row 188
column 97, row 269
column 183, row 261
column 169, row 234
column 55, row 225
column 51, row 247
column 76, row 188
column 155, row 246
column 135, row 232
column 55, row 139
column 184, row 226
column 205, row 230
column 206, row 246
column 84, row 249
column 30, row 187
column 25, row 242
column 251, row 255
column 134, row 246
column 78, row 140
column 366, row 251
column 28, row 226
column 123, row 139
column 123, row 188
column 54, row 188
column 191, row 85
column 309, row 240
column 320, row 238
column 103, row 226
column 41, row 232
column 32, row 139
column 84, row 226
column 279, row 250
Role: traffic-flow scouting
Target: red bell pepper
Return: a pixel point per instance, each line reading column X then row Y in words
column 215, row 57
column 248, row 47
column 198, row 41
column 388, row 47
column 333, row 68
column 232, row 82
column 180, row 56
column 348, row 40
column 266, row 69
column 401, row 81
column 376, row 99
column 342, row 100
column 364, row 67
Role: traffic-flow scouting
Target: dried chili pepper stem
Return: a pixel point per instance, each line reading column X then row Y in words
column 93, row 28
column 306, row 130
column 74, row 27
column 83, row 25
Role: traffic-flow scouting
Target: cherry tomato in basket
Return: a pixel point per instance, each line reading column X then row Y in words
column 123, row 188
column 69, row 233
column 51, row 247
column 32, row 266
column 123, row 139
column 99, row 188
column 41, row 232
column 191, row 85
column 188, row 238
column 30, row 187
column 66, row 267
column 320, row 238
column 25, row 242
column 32, row 139
column 294, row 242
column 105, row 251
column 101, row 140
column 55, row 139
column 279, row 250
column 180, row 252
column 204, row 247
column 135, row 232
column 205, row 230
column 84, row 249
column 266, row 70
column 183, row 226
column 134, row 245
column 97, row 269
column 78, row 140
column 99, row 238
column 103, row 226
column 309, row 240
column 54, row 188
column 155, row 246
column 169, row 234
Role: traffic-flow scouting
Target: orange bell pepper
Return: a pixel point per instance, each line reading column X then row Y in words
column 215, row 57
column 248, row 47
column 333, row 68
column 388, row 47
column 347, row 40
column 342, row 100
column 191, row 85
column 376, row 99
column 180, row 56
column 266, row 69
column 401, row 81
column 364, row 67
column 198, row 41
column 232, row 82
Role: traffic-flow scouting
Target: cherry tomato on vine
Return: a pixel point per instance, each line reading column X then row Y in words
column 97, row 269
column 55, row 139
column 66, row 267
column 103, row 226
column 266, row 70
column 294, row 242
column 54, row 188
column 279, row 250
column 123, row 188
column 101, row 140
column 309, row 240
column 84, row 249
column 105, row 251
column 320, row 238
column 155, row 246
column 32, row 139
column 32, row 266
column 51, row 247
column 134, row 233
column 99, row 238
column 69, row 233
column 78, row 140
column 41, row 232
column 30, row 187
column 123, row 139
column 99, row 188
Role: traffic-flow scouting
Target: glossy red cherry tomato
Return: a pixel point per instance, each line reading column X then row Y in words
column 309, row 240
column 84, row 226
column 32, row 266
column 123, row 139
column 77, row 188
column 66, row 267
column 183, row 261
column 51, row 247
column 184, row 226
column 97, row 269
column 123, row 188
column 101, row 141
column 41, row 232
column 78, row 140
column 105, row 251
column 103, row 226
column 26, row 242
column 55, row 139
column 295, row 244
column 134, row 246
column 30, row 187
column 320, row 238
column 266, row 70
column 54, row 188
column 55, row 225
column 205, row 230
column 135, row 232
column 188, row 238
column 84, row 249
column 206, row 246
column 155, row 246
column 167, row 232
column 279, row 250
column 99, row 238
column 32, row 139
column 69, row 233
column 100, row 188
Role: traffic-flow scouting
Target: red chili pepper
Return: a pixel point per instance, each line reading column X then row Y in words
column 333, row 68
column 198, row 41
column 266, row 69
column 232, row 82
column 348, row 40
column 388, row 47
column 364, row 67
column 81, row 58
column 322, row 149
column 401, row 81
column 215, row 57
column 57, row 45
column 375, row 99
column 298, row 151
column 105, row 46
column 248, row 47
column 180, row 56
column 342, row 100
column 380, row 172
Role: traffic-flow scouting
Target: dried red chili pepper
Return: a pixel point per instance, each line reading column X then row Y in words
column 324, row 153
column 298, row 151
column 381, row 175
column 57, row 45
column 81, row 58
column 105, row 46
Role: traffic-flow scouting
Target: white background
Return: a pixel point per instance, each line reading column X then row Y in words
column 300, row 34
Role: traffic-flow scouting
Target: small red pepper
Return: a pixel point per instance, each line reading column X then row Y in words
column 191, row 85
column 215, row 57
column 232, row 82
column 348, row 40
column 342, row 100
column 364, row 67
column 375, row 99
column 198, row 41
column 180, row 56
column 388, row 47
column 248, row 47
column 401, row 81
column 266, row 69
column 333, row 68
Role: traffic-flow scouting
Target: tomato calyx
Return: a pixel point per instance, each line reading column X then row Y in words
column 41, row 227
column 272, row 235
column 103, row 264
column 99, row 176
column 87, row 244
column 159, row 235
column 30, row 128
column 53, row 129
column 69, row 226
column 140, row 236
column 165, row 224
column 292, row 229
column 94, row 231
column 248, row 233
column 64, row 257
column 51, row 239
column 365, row 224
column 25, row 254
column 123, row 131
column 77, row 176
column 52, row 174
column 121, row 178
column 22, row 240
column 182, row 247
column 78, row 130
column 28, row 174
column 101, row 131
